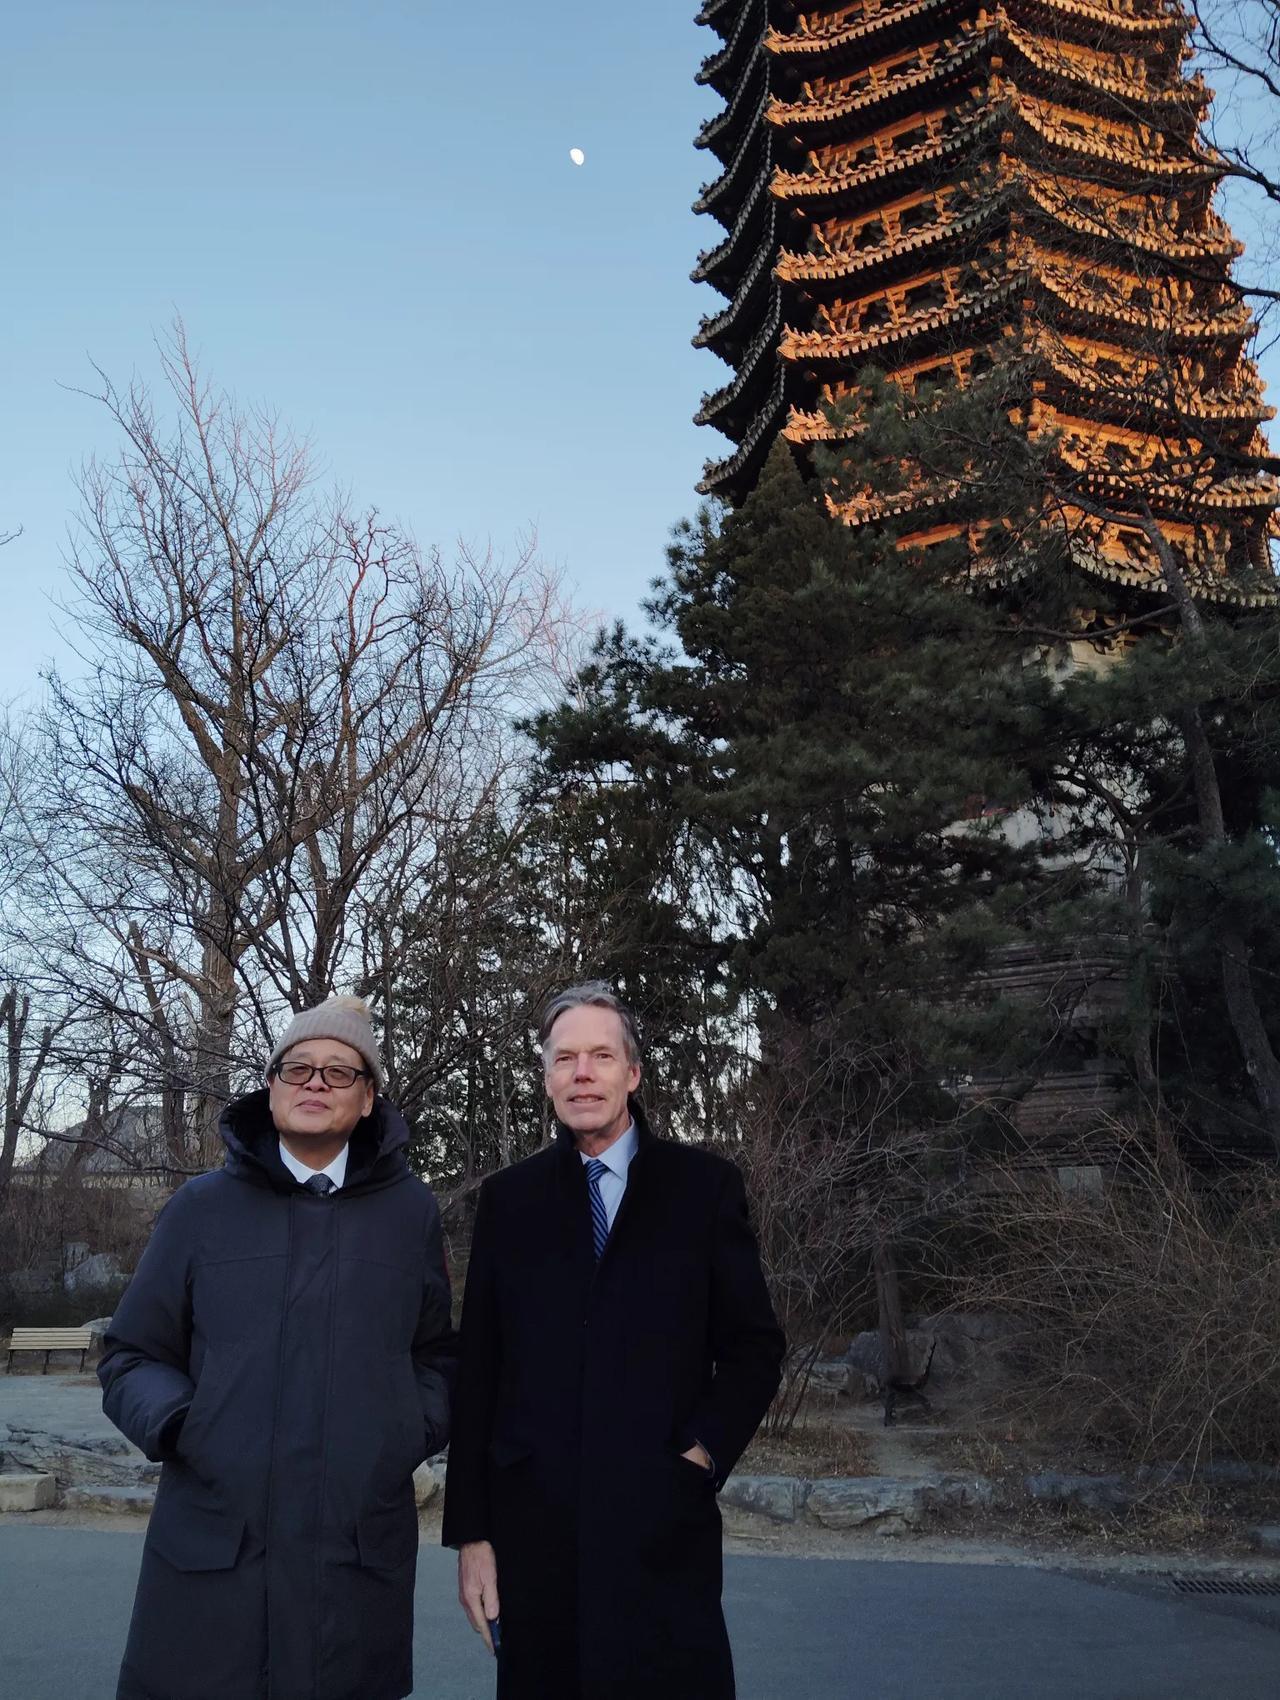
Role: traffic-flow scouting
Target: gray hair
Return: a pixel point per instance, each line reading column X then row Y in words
column 595, row 993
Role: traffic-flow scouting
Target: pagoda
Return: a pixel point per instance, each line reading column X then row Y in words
column 920, row 186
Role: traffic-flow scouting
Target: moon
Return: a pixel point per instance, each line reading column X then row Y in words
column 577, row 156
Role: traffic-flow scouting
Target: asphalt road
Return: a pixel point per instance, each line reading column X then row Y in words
column 803, row 1629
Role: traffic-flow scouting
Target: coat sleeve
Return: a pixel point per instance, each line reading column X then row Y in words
column 435, row 1346
column 466, row 1493
column 145, row 1368
column 746, row 1343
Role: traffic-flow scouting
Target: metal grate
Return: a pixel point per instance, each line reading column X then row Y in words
column 1225, row 1585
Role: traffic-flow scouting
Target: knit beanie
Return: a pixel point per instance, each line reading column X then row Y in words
column 345, row 1019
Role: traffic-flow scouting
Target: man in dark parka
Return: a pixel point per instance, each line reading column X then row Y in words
column 618, row 1352
column 285, row 1351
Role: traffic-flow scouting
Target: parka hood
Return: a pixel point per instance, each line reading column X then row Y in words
column 375, row 1151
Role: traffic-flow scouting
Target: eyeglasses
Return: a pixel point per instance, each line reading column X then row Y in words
column 333, row 1074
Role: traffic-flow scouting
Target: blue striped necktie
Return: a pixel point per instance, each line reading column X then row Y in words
column 599, row 1215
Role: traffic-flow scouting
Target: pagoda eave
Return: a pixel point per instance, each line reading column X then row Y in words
column 838, row 191
column 734, row 175
column 1055, row 71
column 1096, row 21
column 832, row 43
column 833, row 111
column 719, row 477
column 1194, row 167
column 890, row 256
column 719, row 70
column 713, row 15
column 1067, row 216
column 720, row 405
column 719, row 328
column 725, row 257
column 1077, row 391
column 1121, row 322
column 843, row 348
column 1121, row 492
column 1205, row 587
column 720, row 133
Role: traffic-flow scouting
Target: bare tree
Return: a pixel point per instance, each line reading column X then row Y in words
column 284, row 708
column 26, row 1052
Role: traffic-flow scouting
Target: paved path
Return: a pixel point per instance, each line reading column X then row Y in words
column 56, row 1404
column 803, row 1629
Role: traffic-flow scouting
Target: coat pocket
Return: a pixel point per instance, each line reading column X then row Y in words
column 193, row 1536
column 388, row 1537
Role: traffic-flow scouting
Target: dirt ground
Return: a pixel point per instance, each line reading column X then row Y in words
column 839, row 1436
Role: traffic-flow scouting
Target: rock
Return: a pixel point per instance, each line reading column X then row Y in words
column 1090, row 1493
column 74, row 1253
column 111, row 1500
column 983, row 1327
column 1161, row 1475
column 97, row 1327
column 1266, row 1538
column 864, row 1356
column 27, row 1490
column 853, row 1503
column 967, row 1343
column 425, row 1484
column 428, row 1478
column 780, row 1498
column 1235, row 1472
column 830, row 1375
column 101, row 1270
column 1224, row 1472
column 960, row 1493
column 80, row 1458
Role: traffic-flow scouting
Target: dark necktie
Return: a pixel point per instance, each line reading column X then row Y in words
column 599, row 1215
column 321, row 1185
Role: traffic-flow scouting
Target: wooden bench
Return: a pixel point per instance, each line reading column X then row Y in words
column 48, row 1340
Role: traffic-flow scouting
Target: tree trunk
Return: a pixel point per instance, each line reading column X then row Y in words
column 893, row 1333
column 21, row 1081
column 1260, row 1060
column 1143, row 1064
column 212, row 1057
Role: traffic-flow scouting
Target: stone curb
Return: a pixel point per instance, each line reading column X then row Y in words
column 892, row 1504
column 101, row 1497
column 895, row 1504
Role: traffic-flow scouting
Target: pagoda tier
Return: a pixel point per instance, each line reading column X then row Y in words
column 914, row 185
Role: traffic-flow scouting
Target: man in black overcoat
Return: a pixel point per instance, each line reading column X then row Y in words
column 618, row 1352
column 285, row 1350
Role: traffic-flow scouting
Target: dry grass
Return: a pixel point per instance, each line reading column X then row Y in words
column 812, row 1450
column 1192, row 1519
column 1148, row 1311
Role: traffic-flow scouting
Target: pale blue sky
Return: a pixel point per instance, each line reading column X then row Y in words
column 367, row 216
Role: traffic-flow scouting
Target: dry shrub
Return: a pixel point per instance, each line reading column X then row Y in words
column 42, row 1218
column 829, row 1168
column 1150, row 1306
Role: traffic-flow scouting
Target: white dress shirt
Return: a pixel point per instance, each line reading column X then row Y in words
column 617, row 1160
column 337, row 1170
